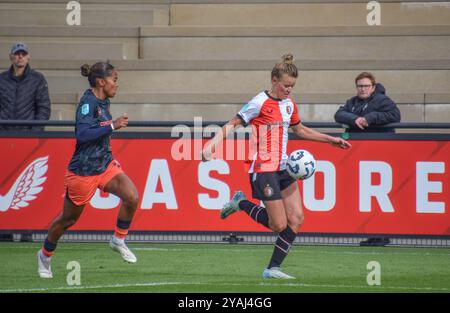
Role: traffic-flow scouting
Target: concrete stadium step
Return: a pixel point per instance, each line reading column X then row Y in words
column 308, row 14
column 241, row 98
column 63, row 48
column 261, row 43
column 91, row 14
column 221, row 31
column 166, row 2
column 219, row 112
column 73, row 43
column 415, row 107
column 268, row 48
column 161, row 43
column 216, row 82
column 250, row 65
column 294, row 31
column 210, row 1
column 320, row 107
column 69, row 31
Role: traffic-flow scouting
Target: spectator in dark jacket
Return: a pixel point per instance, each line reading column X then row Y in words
column 369, row 109
column 23, row 91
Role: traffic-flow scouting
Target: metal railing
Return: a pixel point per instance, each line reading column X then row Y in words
column 68, row 123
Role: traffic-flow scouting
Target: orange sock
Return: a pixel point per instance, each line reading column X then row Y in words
column 47, row 253
column 120, row 233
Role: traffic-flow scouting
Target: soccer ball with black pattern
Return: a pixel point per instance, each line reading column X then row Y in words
column 301, row 164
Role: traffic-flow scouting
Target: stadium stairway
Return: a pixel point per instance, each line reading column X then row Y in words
column 184, row 58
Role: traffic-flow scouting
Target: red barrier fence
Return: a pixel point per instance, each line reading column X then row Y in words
column 377, row 187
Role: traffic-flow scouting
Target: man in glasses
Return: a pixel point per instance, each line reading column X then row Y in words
column 369, row 109
column 23, row 91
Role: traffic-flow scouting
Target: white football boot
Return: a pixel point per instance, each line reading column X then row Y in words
column 44, row 265
column 275, row 272
column 122, row 248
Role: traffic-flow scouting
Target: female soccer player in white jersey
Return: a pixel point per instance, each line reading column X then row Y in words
column 271, row 113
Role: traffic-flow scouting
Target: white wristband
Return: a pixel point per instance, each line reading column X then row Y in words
column 112, row 126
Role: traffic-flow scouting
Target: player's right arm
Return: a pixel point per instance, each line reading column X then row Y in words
column 244, row 116
column 212, row 145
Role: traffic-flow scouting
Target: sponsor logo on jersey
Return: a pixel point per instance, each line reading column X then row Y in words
column 104, row 123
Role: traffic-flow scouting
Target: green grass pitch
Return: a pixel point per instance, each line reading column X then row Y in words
column 223, row 268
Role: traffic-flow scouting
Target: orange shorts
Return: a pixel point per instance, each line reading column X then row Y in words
column 80, row 189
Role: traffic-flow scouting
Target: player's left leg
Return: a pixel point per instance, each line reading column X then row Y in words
column 122, row 186
column 69, row 216
column 293, row 205
column 294, row 214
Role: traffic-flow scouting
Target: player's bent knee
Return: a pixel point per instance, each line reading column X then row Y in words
column 131, row 200
column 295, row 221
column 135, row 200
column 300, row 219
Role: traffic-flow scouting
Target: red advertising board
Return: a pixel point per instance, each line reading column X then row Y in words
column 378, row 186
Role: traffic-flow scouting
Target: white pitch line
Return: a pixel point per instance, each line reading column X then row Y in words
column 297, row 249
column 93, row 287
column 363, row 286
column 152, row 284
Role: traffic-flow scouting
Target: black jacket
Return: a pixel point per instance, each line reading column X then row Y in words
column 378, row 110
column 24, row 98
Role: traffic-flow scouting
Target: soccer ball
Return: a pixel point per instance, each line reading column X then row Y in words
column 301, row 164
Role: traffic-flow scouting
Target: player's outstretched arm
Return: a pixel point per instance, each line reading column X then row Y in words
column 212, row 145
column 310, row 134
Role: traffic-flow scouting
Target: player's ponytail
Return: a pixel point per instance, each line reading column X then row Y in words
column 85, row 68
column 97, row 70
column 285, row 66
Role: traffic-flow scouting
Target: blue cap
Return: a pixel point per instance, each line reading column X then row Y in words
column 19, row 46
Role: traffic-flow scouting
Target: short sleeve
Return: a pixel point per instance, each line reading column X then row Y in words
column 295, row 119
column 250, row 110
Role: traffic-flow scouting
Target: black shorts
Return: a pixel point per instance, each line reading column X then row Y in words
column 268, row 185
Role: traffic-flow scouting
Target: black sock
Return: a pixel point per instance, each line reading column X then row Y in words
column 48, row 248
column 256, row 212
column 123, row 224
column 282, row 246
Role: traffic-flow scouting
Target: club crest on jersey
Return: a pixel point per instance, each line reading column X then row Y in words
column 288, row 109
column 99, row 111
column 268, row 191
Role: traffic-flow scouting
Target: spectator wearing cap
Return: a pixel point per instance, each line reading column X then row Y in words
column 23, row 91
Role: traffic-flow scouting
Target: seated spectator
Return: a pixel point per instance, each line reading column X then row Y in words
column 23, row 91
column 369, row 109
